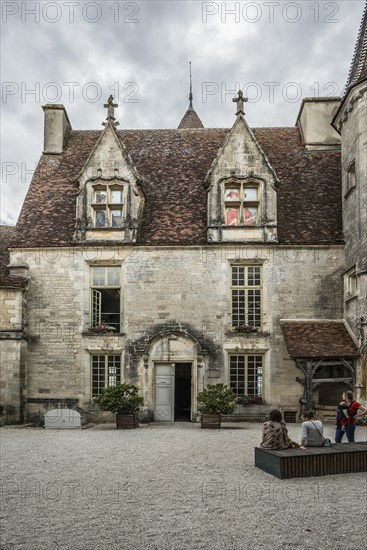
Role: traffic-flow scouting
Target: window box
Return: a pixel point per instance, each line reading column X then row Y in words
column 245, row 329
column 101, row 329
column 249, row 400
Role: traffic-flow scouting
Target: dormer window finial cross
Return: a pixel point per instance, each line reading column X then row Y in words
column 240, row 100
column 110, row 106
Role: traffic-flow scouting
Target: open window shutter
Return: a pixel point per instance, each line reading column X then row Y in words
column 96, row 307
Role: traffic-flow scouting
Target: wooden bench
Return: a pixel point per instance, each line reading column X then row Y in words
column 341, row 458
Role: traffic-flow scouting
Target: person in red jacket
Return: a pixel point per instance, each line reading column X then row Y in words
column 347, row 425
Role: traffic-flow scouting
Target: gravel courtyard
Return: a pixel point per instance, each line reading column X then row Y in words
column 168, row 487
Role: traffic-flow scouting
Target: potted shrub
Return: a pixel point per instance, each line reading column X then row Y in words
column 213, row 401
column 123, row 399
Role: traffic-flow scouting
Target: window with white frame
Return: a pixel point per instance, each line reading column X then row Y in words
column 106, row 297
column 106, row 372
column 351, row 177
column 241, row 203
column 352, row 283
column 246, row 374
column 107, row 205
column 246, row 294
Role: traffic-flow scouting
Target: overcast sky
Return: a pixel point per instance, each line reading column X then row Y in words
column 78, row 52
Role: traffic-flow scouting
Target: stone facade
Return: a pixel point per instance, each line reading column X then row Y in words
column 169, row 319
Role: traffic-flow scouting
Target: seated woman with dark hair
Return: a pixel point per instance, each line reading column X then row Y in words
column 312, row 431
column 275, row 433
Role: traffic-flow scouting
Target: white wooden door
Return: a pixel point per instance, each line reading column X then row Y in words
column 164, row 392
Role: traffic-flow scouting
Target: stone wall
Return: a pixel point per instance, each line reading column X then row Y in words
column 11, row 309
column 173, row 290
column 12, row 353
column 353, row 128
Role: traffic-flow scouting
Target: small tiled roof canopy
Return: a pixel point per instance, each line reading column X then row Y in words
column 358, row 69
column 324, row 338
column 173, row 165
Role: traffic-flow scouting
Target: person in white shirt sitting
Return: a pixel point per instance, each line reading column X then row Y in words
column 312, row 431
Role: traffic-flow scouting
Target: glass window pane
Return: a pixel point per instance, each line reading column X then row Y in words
column 238, row 276
column 100, row 197
column 113, row 276
column 250, row 194
column 98, row 374
column 232, row 216
column 116, row 218
column 249, row 215
column 100, row 218
column 232, row 194
column 98, row 276
column 116, row 196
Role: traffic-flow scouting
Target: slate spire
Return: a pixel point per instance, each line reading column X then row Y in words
column 190, row 118
column 358, row 69
column 190, row 94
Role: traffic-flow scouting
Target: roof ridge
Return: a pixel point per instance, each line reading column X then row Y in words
column 221, row 128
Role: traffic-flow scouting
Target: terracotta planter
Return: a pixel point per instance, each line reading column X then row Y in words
column 210, row 421
column 126, row 421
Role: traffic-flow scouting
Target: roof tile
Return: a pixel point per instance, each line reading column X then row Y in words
column 318, row 338
column 173, row 165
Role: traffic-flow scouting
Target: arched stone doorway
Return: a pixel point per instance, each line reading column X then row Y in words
column 173, row 373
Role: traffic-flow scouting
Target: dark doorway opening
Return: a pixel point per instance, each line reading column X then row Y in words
column 182, row 392
column 331, row 393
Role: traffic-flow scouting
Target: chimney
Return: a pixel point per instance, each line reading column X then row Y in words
column 314, row 121
column 56, row 129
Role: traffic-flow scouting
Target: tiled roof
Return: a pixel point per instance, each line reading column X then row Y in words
column 173, row 165
column 318, row 338
column 190, row 120
column 358, row 69
column 6, row 235
column 309, row 193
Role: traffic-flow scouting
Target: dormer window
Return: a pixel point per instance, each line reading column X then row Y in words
column 241, row 202
column 107, row 205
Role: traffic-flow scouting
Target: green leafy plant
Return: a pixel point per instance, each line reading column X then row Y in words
column 217, row 399
column 121, row 399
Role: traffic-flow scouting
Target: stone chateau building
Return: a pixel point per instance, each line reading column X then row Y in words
column 178, row 258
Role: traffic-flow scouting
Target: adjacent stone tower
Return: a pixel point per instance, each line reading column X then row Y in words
column 351, row 123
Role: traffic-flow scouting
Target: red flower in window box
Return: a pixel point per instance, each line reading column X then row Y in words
column 245, row 328
column 100, row 329
column 249, row 400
